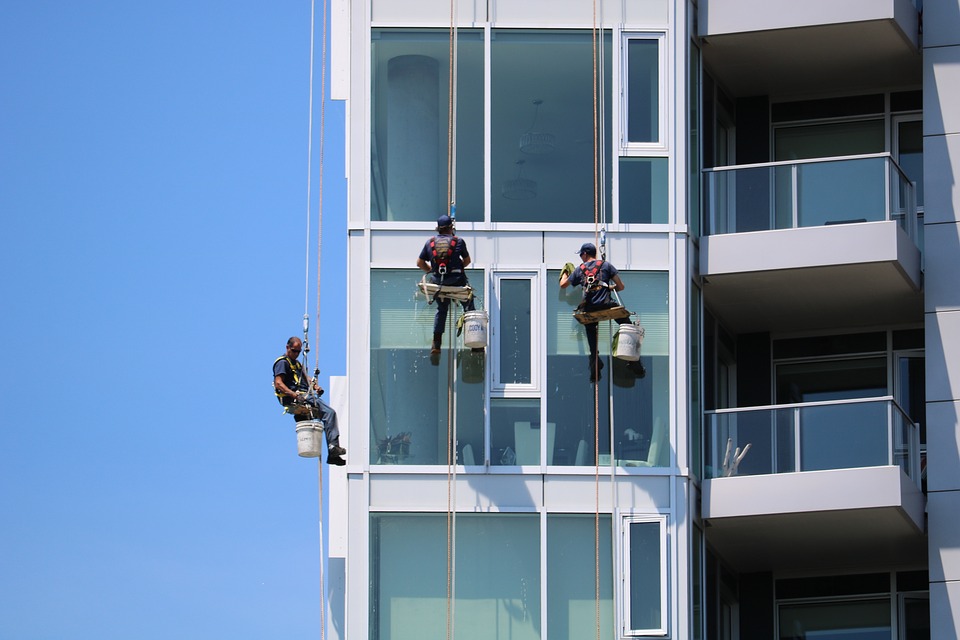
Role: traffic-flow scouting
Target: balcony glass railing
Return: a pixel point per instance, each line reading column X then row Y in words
column 814, row 436
column 809, row 193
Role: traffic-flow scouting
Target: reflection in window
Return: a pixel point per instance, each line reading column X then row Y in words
column 498, row 565
column 515, row 431
column 643, row 190
column 571, row 573
column 541, row 82
column 408, row 395
column 641, row 419
column 409, row 114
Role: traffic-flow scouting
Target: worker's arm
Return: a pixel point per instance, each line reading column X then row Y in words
column 565, row 274
column 618, row 284
column 423, row 265
column 466, row 261
column 282, row 388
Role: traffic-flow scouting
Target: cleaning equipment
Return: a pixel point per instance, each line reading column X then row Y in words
column 309, row 438
column 628, row 341
column 475, row 329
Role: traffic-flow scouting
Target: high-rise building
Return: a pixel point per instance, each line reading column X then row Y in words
column 776, row 182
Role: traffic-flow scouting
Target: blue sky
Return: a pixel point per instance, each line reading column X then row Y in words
column 153, row 176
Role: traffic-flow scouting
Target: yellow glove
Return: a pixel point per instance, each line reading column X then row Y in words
column 460, row 324
column 567, row 270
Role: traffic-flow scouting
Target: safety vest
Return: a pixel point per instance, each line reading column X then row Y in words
column 591, row 276
column 295, row 370
column 442, row 248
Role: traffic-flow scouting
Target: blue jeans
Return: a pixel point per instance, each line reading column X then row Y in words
column 323, row 412
column 450, row 280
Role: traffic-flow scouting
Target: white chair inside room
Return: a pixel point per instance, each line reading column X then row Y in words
column 526, row 441
column 659, row 446
column 468, row 458
column 581, row 459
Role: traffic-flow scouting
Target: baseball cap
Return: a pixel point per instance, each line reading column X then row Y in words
column 444, row 221
column 587, row 247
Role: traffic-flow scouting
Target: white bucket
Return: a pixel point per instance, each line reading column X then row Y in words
column 309, row 438
column 629, row 339
column 475, row 329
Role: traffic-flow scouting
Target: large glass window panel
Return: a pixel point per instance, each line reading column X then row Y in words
column 643, row 90
column 854, row 620
column 640, row 405
column 643, row 190
column 693, row 160
column 409, row 117
column 408, row 394
column 543, row 118
column 572, row 577
column 645, row 594
column 515, row 432
column 498, row 570
column 910, row 152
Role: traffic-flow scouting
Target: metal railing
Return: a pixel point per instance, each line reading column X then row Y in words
column 811, row 436
column 809, row 193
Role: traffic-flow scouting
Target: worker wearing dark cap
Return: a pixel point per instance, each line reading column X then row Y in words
column 597, row 278
column 445, row 257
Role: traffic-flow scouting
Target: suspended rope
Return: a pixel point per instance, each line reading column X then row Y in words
column 596, row 357
column 451, row 399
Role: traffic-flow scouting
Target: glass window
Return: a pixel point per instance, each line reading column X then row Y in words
column 408, row 127
column 542, row 118
column 910, row 152
column 827, row 140
column 645, row 597
column 408, row 394
column 572, row 577
column 693, row 161
column 515, row 431
column 498, row 570
column 643, row 190
column 643, row 88
column 514, row 360
column 640, row 411
column 854, row 620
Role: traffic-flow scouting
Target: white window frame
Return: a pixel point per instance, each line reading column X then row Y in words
column 625, row 582
column 499, row 388
column 628, row 148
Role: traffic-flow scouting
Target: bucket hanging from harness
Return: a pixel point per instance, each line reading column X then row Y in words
column 442, row 249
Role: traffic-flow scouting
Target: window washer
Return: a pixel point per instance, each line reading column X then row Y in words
column 301, row 397
column 444, row 258
column 597, row 278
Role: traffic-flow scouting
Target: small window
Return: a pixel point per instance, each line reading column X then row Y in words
column 514, row 359
column 644, row 576
column 643, row 90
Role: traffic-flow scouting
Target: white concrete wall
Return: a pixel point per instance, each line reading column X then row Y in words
column 941, row 130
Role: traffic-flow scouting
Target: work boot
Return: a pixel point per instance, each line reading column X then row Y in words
column 595, row 367
column 636, row 368
column 335, row 455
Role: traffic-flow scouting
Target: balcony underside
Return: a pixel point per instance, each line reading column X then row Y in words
column 816, row 520
column 852, row 275
column 791, row 49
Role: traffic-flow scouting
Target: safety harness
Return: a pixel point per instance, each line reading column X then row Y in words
column 295, row 370
column 591, row 276
column 442, row 248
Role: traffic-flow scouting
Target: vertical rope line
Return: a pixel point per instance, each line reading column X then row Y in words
column 323, row 111
column 306, row 277
column 450, row 463
column 323, row 607
column 596, row 357
column 451, row 429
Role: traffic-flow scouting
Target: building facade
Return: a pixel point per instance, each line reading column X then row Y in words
column 777, row 186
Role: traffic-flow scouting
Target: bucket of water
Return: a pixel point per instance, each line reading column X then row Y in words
column 475, row 329
column 628, row 342
column 309, row 438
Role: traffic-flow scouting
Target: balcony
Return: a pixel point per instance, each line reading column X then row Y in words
column 770, row 47
column 822, row 484
column 811, row 244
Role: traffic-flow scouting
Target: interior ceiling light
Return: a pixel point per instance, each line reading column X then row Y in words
column 519, row 188
column 535, row 142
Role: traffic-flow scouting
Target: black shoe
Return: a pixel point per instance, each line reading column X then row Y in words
column 595, row 373
column 477, row 350
column 637, row 369
column 335, row 460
